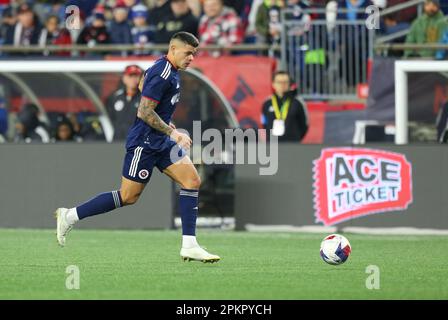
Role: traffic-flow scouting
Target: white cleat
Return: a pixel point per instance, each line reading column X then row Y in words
column 198, row 254
column 62, row 226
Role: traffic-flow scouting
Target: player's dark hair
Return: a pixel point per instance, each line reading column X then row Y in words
column 280, row 72
column 187, row 38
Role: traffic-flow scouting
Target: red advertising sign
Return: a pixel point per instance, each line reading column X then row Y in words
column 351, row 183
column 244, row 80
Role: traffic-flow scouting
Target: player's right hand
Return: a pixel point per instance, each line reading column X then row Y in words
column 181, row 139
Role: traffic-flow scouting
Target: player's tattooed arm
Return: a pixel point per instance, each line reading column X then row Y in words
column 146, row 113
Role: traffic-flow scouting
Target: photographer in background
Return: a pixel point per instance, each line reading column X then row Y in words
column 283, row 113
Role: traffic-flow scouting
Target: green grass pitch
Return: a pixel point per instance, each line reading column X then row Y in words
column 146, row 265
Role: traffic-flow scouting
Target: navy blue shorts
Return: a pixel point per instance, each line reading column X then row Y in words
column 139, row 161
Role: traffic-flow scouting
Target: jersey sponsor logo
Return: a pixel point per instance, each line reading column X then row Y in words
column 143, row 174
column 351, row 183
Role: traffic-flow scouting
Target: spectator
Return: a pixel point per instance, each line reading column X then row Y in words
column 179, row 19
column 52, row 34
column 428, row 28
column 120, row 29
column 142, row 33
column 65, row 131
column 159, row 11
column 29, row 128
column 268, row 24
column 122, row 105
column 283, row 113
column 297, row 7
column 95, row 33
column 27, row 29
column 8, row 22
column 219, row 25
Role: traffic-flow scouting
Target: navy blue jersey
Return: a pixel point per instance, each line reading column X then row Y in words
column 162, row 85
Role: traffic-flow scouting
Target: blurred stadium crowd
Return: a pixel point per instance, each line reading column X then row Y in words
column 142, row 23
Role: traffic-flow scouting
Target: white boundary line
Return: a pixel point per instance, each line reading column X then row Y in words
column 228, row 223
column 357, row 230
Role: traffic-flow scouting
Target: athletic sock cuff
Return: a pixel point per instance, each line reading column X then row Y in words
column 117, row 199
column 189, row 192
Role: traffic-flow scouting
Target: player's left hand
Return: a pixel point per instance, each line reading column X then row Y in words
column 181, row 139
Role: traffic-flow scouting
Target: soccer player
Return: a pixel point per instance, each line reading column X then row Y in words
column 154, row 141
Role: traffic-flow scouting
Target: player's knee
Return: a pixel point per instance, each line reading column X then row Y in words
column 192, row 183
column 129, row 198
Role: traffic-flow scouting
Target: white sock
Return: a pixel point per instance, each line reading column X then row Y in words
column 189, row 242
column 72, row 216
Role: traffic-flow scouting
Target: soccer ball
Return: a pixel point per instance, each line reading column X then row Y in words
column 335, row 249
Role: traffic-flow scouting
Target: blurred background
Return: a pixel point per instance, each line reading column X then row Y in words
column 68, row 92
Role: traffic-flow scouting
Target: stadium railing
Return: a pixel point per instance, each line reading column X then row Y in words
column 381, row 47
column 260, row 49
column 328, row 60
column 393, row 10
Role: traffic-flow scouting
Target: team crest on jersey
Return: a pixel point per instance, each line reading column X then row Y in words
column 143, row 174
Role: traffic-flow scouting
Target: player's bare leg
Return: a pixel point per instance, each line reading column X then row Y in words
column 185, row 174
column 130, row 191
column 128, row 194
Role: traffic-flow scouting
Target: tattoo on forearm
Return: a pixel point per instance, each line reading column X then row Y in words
column 146, row 113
